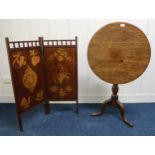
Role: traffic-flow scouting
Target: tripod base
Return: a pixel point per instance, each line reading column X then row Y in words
column 115, row 103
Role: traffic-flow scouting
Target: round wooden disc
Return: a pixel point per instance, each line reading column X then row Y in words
column 119, row 53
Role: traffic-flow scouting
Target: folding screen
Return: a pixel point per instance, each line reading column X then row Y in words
column 61, row 70
column 27, row 72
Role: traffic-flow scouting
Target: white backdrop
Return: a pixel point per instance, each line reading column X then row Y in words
column 91, row 88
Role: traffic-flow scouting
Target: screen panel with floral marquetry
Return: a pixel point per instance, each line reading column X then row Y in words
column 61, row 72
column 27, row 76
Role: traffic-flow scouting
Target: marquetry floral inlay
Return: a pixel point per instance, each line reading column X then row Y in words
column 61, row 91
column 68, row 89
column 25, row 102
column 61, row 75
column 30, row 79
column 35, row 59
column 61, row 55
column 19, row 60
column 40, row 96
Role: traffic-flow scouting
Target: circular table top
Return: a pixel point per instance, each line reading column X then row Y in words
column 119, row 53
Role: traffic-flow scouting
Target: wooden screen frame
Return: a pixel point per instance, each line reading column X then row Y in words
column 20, row 45
column 60, row 44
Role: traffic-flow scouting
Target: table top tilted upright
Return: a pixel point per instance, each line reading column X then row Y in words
column 118, row 53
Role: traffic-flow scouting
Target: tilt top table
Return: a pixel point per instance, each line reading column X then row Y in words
column 118, row 53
